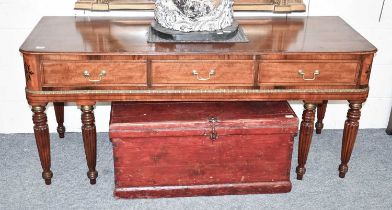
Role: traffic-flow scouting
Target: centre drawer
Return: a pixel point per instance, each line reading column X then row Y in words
column 201, row 72
column 94, row 73
column 309, row 73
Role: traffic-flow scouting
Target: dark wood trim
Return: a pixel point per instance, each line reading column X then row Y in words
column 41, row 131
column 305, row 137
column 389, row 128
column 90, row 141
column 256, row 69
column 59, row 111
column 149, row 73
column 349, row 135
column 321, row 109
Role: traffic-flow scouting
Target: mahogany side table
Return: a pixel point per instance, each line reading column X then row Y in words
column 91, row 59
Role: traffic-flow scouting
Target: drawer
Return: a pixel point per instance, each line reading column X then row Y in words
column 305, row 73
column 238, row 73
column 94, row 73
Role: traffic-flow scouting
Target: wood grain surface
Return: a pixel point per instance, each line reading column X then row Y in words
column 123, row 35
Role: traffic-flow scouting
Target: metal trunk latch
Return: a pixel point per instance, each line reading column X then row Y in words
column 214, row 134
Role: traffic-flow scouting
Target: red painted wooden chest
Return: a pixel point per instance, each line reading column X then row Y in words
column 201, row 148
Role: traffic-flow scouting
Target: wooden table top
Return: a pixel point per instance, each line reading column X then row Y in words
column 124, row 35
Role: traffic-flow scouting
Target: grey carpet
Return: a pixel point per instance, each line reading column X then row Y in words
column 368, row 184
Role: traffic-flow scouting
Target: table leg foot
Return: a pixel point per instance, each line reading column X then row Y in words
column 90, row 141
column 342, row 170
column 305, row 138
column 92, row 175
column 349, row 135
column 321, row 109
column 47, row 176
column 41, row 132
column 59, row 111
column 389, row 128
column 300, row 172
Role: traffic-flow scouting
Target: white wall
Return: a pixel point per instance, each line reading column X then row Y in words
column 18, row 17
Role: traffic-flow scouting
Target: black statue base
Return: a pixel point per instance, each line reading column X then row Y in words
column 230, row 34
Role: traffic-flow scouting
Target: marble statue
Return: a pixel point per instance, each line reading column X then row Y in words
column 194, row 15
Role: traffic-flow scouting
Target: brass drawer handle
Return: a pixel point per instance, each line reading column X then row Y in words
column 301, row 73
column 87, row 75
column 211, row 73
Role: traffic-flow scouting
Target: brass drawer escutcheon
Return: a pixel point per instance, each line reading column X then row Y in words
column 301, row 73
column 101, row 75
column 210, row 74
column 214, row 134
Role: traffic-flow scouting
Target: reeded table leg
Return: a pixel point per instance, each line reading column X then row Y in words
column 321, row 108
column 59, row 110
column 349, row 135
column 305, row 138
column 41, row 131
column 90, row 141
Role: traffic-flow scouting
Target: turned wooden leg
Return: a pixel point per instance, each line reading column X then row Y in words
column 59, row 110
column 305, row 138
column 321, row 108
column 389, row 128
column 41, row 131
column 90, row 141
column 349, row 135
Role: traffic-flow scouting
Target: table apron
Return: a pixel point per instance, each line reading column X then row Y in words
column 197, row 95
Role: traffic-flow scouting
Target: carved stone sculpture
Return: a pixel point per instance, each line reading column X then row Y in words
column 239, row 5
column 194, row 15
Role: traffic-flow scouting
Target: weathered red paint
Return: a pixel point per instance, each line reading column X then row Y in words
column 165, row 150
